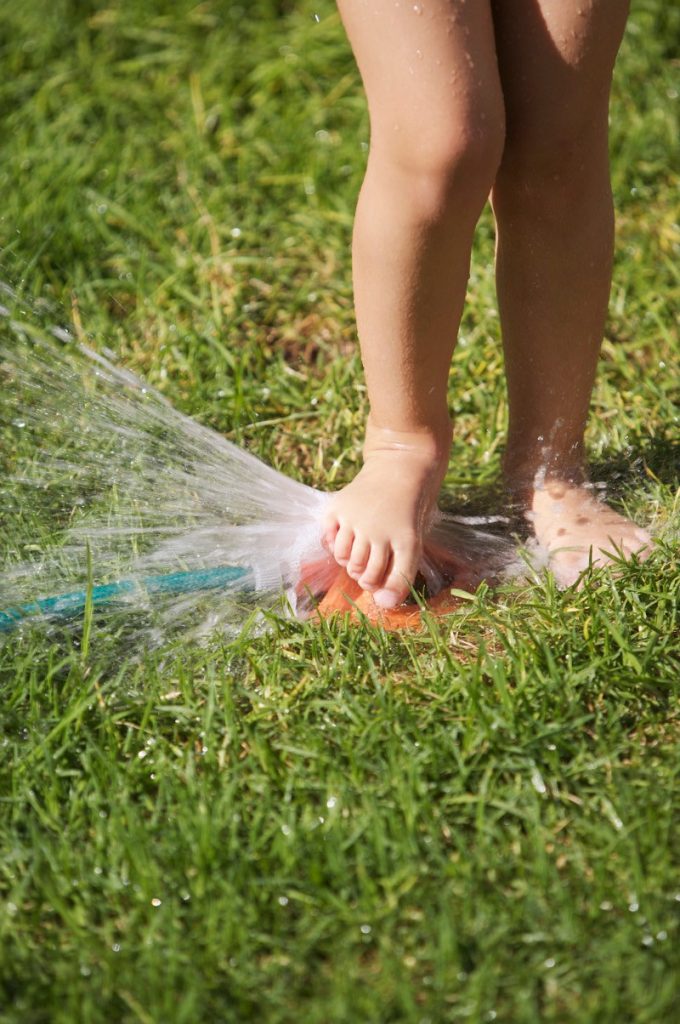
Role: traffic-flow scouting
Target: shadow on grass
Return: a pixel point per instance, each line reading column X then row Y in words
column 656, row 457
column 645, row 458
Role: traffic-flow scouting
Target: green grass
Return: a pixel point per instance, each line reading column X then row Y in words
column 328, row 823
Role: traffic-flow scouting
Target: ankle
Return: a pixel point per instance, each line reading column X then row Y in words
column 528, row 470
column 431, row 441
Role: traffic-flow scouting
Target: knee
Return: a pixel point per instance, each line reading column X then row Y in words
column 559, row 166
column 463, row 165
column 450, row 166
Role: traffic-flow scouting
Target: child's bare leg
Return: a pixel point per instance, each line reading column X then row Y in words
column 436, row 137
column 553, row 206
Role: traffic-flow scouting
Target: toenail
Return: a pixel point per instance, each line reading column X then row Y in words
column 386, row 599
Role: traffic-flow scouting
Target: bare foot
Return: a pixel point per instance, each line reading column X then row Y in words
column 374, row 526
column 578, row 530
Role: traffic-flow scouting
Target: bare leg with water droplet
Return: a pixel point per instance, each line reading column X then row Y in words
column 553, row 207
column 436, row 113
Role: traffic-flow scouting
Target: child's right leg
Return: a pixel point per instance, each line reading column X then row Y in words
column 437, row 129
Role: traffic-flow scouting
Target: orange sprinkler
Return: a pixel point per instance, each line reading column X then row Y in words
column 333, row 592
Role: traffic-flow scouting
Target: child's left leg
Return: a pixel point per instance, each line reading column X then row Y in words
column 553, row 207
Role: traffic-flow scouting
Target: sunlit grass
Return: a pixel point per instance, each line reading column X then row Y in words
column 328, row 823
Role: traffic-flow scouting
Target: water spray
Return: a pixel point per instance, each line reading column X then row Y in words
column 166, row 518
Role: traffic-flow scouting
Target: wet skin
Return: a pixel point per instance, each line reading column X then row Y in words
column 467, row 99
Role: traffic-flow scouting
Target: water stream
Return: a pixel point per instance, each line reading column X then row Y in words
column 109, row 491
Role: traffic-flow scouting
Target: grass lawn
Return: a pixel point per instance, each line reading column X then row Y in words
column 328, row 824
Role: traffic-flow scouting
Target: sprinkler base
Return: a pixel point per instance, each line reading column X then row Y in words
column 346, row 597
column 330, row 591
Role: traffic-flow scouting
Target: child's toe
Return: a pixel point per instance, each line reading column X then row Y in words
column 342, row 546
column 374, row 573
column 399, row 579
column 361, row 549
column 330, row 532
